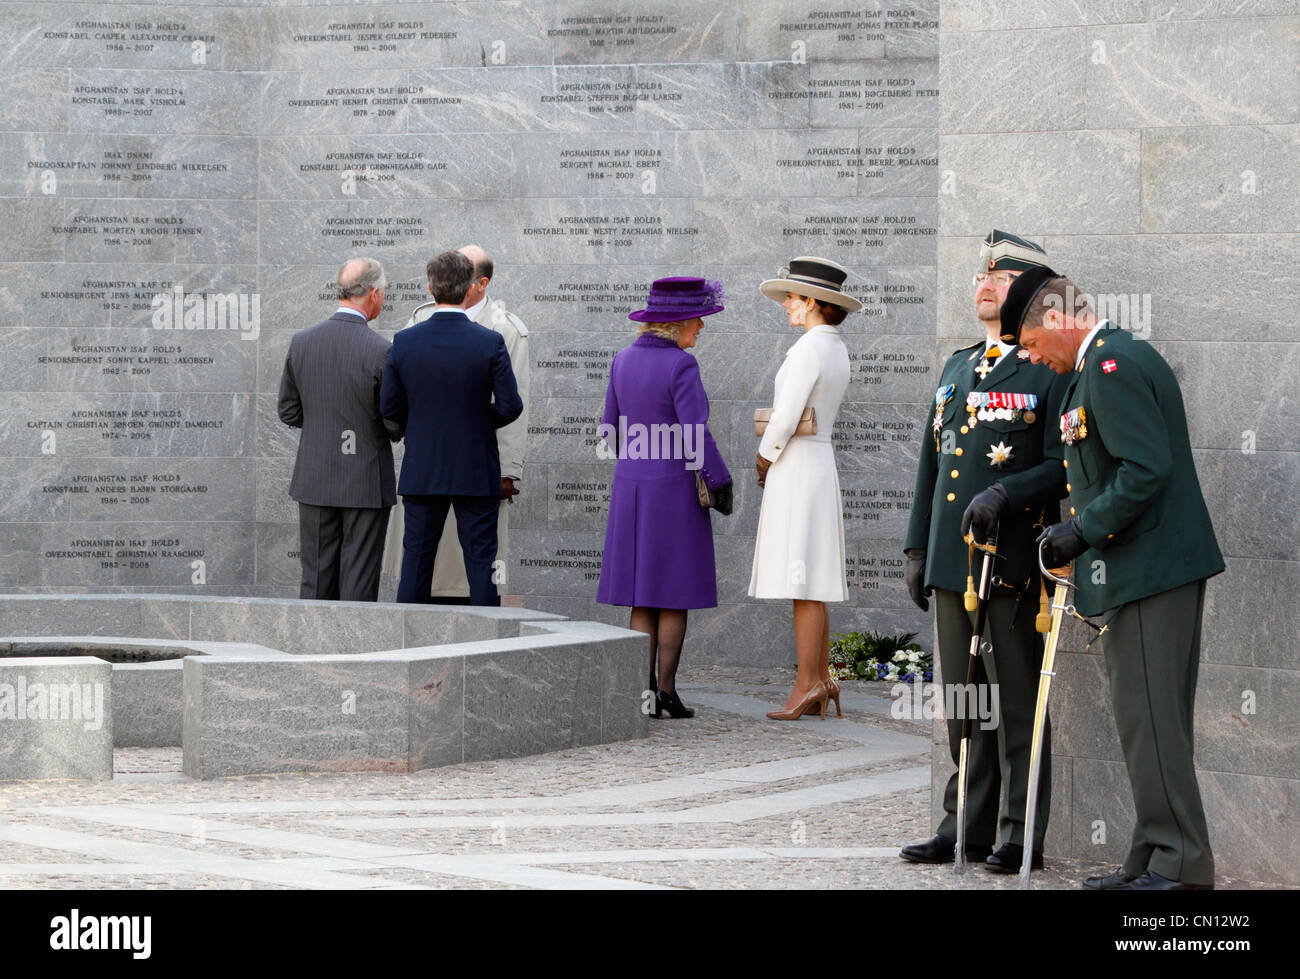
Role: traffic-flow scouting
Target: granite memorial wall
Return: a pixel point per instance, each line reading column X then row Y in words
column 180, row 182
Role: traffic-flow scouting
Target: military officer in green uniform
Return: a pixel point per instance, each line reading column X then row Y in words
column 1144, row 546
column 990, row 458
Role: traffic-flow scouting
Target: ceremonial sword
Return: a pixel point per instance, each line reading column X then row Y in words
column 1061, row 578
column 979, row 604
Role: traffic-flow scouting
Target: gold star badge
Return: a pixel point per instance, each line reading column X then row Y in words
column 999, row 453
column 1022, row 353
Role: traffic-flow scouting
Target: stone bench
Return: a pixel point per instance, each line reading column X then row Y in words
column 147, row 689
column 248, row 685
column 56, row 717
column 410, row 709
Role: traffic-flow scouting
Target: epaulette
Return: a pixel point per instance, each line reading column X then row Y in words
column 517, row 323
column 419, row 316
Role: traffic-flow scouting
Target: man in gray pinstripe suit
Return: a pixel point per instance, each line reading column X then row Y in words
column 343, row 477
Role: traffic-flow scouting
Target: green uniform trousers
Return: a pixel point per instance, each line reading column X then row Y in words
column 1153, row 653
column 998, row 758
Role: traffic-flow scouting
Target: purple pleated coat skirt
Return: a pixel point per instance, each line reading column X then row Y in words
column 658, row 539
column 658, row 546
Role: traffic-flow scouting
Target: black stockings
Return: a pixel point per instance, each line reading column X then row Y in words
column 666, row 628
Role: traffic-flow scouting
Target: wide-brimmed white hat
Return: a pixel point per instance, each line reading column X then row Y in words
column 817, row 277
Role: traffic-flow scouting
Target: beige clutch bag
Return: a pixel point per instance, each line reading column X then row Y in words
column 807, row 421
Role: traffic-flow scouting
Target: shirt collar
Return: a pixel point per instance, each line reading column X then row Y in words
column 477, row 308
column 1087, row 343
column 351, row 312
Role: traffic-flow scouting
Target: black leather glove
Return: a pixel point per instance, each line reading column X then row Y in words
column 1064, row 542
column 722, row 496
column 985, row 510
column 916, row 578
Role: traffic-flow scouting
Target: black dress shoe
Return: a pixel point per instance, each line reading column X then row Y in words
column 1116, row 878
column 672, row 703
column 1008, row 858
column 1152, row 881
column 941, row 849
column 938, row 849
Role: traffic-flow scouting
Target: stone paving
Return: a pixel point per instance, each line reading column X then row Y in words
column 728, row 799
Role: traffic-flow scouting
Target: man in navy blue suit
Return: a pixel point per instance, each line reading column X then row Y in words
column 448, row 384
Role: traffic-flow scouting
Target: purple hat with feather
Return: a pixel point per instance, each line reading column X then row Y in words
column 678, row 298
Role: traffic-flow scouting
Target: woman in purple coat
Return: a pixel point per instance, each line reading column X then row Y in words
column 658, row 543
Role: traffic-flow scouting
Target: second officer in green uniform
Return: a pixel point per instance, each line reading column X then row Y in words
column 1145, row 545
column 990, row 457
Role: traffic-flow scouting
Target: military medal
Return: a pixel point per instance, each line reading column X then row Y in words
column 941, row 398
column 999, row 453
column 1074, row 425
column 1005, row 406
column 983, row 369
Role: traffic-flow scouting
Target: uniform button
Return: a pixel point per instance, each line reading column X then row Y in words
column 964, row 429
column 1110, row 537
column 951, row 497
column 959, row 450
column 1067, row 488
column 953, row 474
column 1072, row 511
column 1065, row 463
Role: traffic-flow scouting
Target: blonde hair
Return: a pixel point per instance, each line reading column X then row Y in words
column 669, row 331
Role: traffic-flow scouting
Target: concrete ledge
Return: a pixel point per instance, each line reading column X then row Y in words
column 290, row 625
column 406, row 710
column 56, row 717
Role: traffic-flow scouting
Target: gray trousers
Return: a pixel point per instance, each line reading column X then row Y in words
column 342, row 549
column 998, row 760
column 1153, row 653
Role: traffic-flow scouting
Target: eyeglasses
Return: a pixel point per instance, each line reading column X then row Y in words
column 998, row 278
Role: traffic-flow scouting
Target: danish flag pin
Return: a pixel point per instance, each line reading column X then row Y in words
column 1109, row 366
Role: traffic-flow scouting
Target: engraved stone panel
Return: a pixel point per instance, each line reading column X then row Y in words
column 180, row 183
column 169, row 102
column 586, row 32
column 403, row 35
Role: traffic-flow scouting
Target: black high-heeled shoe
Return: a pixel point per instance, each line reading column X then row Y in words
column 671, row 703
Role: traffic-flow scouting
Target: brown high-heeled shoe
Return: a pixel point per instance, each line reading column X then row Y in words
column 814, row 696
column 833, row 693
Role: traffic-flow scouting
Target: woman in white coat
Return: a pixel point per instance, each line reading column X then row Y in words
column 799, row 550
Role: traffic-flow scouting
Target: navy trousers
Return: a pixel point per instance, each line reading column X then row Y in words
column 476, row 527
